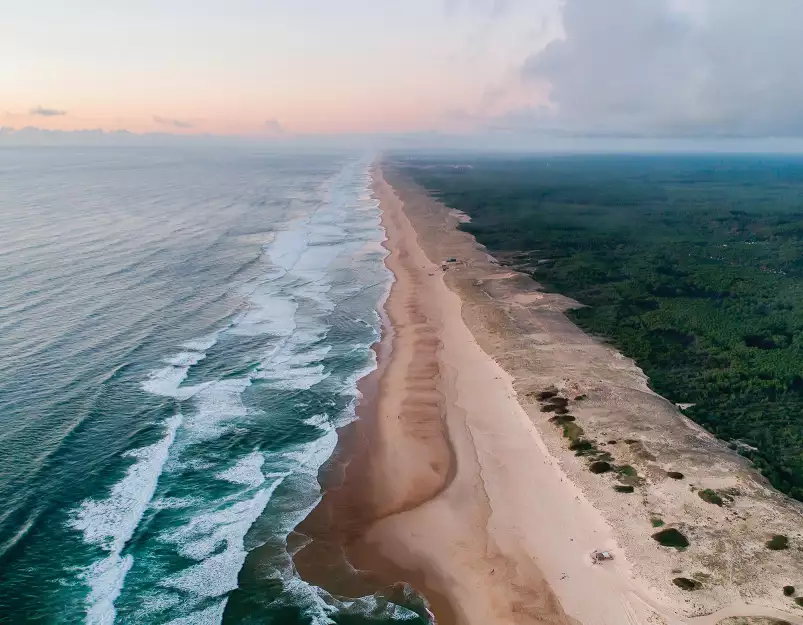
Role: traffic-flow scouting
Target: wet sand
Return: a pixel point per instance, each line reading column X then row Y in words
column 412, row 505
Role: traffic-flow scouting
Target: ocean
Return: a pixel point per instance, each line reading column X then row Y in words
column 181, row 333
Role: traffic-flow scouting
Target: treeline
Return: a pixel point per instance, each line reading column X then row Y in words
column 693, row 266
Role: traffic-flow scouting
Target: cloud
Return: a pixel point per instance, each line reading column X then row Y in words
column 175, row 123
column 46, row 112
column 274, row 127
column 713, row 68
column 490, row 8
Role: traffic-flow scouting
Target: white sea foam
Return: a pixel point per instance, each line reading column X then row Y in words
column 313, row 601
column 216, row 572
column 185, row 359
column 167, row 380
column 212, row 615
column 201, row 344
column 110, row 523
column 288, row 245
column 310, row 457
column 289, row 302
column 288, row 368
column 269, row 313
column 247, row 471
column 173, row 503
column 217, row 406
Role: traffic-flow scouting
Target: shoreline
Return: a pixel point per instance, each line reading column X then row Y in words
column 405, row 457
column 335, row 556
column 464, row 496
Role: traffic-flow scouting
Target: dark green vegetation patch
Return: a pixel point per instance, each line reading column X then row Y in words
column 691, row 265
column 600, row 467
column 581, row 445
column 623, row 488
column 687, row 584
column 562, row 419
column 572, row 431
column 788, row 591
column 711, row 496
column 778, row 543
column 548, row 394
column 675, row 475
column 671, row 538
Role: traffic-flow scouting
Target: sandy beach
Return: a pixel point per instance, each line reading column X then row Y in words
column 453, row 480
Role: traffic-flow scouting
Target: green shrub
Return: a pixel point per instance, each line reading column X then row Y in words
column 572, row 431
column 580, row 398
column 581, row 446
column 622, row 488
column 788, row 591
column 600, row 467
column 671, row 537
column 711, row 496
column 675, row 475
column 562, row 419
column 686, row 584
column 657, row 522
column 778, row 542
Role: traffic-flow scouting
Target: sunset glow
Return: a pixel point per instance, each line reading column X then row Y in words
column 303, row 67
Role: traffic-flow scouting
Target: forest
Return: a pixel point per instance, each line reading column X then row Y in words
column 691, row 265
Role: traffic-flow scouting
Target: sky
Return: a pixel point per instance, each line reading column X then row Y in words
column 655, row 69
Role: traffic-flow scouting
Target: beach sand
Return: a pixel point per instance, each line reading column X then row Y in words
column 454, row 482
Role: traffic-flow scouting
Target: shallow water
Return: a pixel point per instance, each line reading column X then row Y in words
column 181, row 331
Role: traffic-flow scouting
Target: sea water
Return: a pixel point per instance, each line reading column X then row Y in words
column 181, row 333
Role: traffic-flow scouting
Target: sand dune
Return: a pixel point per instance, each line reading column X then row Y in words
column 454, row 481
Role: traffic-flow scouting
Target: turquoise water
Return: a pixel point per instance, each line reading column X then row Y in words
column 181, row 331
